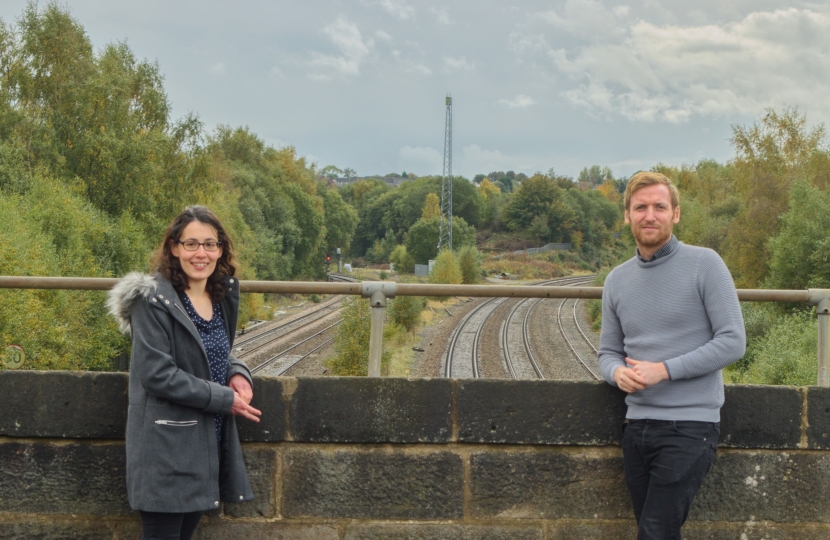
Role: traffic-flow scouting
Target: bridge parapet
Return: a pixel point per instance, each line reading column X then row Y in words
column 349, row 458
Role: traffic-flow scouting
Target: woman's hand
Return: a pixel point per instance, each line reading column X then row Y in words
column 240, row 408
column 241, row 386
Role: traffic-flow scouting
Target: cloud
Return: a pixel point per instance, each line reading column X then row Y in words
column 586, row 18
column 475, row 158
column 519, row 102
column 670, row 73
column 420, row 158
column 441, row 15
column 218, row 69
column 278, row 73
column 353, row 51
column 397, row 8
column 453, row 65
column 382, row 36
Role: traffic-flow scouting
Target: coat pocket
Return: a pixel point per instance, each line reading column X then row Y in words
column 177, row 423
column 176, row 447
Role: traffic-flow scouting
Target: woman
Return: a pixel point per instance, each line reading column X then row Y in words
column 183, row 451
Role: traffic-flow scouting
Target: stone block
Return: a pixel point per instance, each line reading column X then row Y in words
column 442, row 531
column 261, row 463
column 761, row 417
column 539, row 412
column 360, row 409
column 52, row 527
column 72, row 404
column 229, row 529
column 63, row 478
column 754, row 530
column 269, row 398
column 780, row 486
column 595, row 529
column 818, row 417
column 371, row 484
column 548, row 483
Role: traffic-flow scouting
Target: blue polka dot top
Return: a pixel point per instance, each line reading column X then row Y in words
column 215, row 339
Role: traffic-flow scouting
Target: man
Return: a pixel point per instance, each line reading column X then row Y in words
column 670, row 322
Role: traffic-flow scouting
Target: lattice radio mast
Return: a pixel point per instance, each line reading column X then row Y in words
column 445, row 236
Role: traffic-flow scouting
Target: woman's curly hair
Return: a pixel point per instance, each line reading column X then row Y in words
column 168, row 265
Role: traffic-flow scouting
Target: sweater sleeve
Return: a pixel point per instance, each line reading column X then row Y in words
column 611, row 354
column 158, row 372
column 720, row 300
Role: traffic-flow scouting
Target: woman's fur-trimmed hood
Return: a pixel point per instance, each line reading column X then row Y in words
column 122, row 296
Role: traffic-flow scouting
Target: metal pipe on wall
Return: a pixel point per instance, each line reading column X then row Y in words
column 379, row 292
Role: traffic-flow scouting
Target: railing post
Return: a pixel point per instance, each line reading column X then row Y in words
column 821, row 299
column 378, row 292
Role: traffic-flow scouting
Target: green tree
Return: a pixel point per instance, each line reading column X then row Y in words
column 540, row 196
column 770, row 156
column 595, row 175
column 422, row 238
column 799, row 250
column 341, row 220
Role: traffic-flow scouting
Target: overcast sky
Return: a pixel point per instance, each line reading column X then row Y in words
column 535, row 84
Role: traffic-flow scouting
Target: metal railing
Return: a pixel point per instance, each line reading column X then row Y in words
column 378, row 292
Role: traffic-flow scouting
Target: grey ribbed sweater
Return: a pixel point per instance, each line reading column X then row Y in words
column 682, row 309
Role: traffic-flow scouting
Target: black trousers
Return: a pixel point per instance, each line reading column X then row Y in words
column 665, row 463
column 168, row 526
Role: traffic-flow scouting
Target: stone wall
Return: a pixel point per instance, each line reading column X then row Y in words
column 357, row 458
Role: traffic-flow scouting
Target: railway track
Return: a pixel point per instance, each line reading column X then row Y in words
column 287, row 344
column 462, row 357
column 572, row 345
column 267, row 335
column 281, row 362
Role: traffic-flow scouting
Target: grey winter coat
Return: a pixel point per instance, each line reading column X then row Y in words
column 173, row 460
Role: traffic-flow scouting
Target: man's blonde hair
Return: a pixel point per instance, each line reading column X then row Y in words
column 646, row 178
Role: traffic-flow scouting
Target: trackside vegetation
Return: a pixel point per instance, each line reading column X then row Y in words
column 93, row 167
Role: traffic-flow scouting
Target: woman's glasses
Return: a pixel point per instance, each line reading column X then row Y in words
column 193, row 245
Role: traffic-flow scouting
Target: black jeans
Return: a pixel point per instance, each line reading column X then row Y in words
column 168, row 526
column 665, row 463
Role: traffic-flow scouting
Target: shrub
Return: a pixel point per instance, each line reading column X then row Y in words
column 383, row 275
column 315, row 298
column 351, row 344
column 469, row 262
column 446, row 269
column 403, row 261
column 786, row 354
column 405, row 311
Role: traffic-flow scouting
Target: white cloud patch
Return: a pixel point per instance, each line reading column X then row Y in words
column 397, row 8
column 277, row 72
column 382, row 36
column 421, row 158
column 353, row 51
column 519, row 102
column 217, row 69
column 418, row 67
column 476, row 158
column 586, row 18
column 441, row 15
column 670, row 73
column 454, row 65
